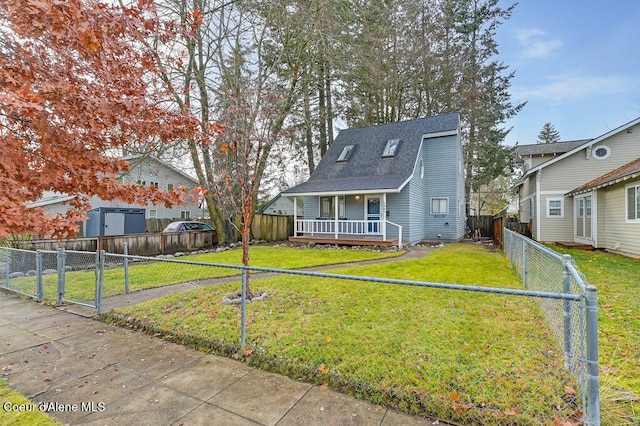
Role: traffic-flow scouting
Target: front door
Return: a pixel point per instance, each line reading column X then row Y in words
column 373, row 214
column 583, row 218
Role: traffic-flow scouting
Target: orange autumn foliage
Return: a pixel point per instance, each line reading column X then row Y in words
column 76, row 85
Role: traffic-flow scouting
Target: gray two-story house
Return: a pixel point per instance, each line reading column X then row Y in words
column 390, row 184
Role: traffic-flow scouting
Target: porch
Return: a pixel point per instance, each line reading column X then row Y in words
column 344, row 241
column 345, row 231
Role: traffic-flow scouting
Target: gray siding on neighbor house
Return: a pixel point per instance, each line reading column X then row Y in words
column 443, row 168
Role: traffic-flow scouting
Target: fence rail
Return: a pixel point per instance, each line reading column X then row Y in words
column 556, row 298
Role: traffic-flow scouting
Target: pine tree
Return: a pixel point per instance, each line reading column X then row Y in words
column 548, row 134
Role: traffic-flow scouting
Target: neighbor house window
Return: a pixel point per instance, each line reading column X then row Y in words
column 532, row 207
column 153, row 214
column 170, row 187
column 346, row 152
column 633, row 202
column 555, row 207
column 327, row 208
column 391, row 147
column 439, row 205
column 184, row 214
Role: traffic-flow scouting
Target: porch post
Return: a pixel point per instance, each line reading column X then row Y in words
column 295, row 216
column 383, row 216
column 335, row 223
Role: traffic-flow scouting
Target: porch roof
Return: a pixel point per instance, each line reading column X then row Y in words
column 354, row 185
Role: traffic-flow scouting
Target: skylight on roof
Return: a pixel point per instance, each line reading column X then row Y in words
column 391, row 148
column 346, row 153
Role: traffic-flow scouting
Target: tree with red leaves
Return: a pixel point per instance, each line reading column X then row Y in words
column 76, row 86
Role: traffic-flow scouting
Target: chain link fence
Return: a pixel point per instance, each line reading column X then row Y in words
column 467, row 354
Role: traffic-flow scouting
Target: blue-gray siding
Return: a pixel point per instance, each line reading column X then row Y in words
column 444, row 180
column 411, row 207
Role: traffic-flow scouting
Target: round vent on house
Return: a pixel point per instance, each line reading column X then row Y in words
column 601, row 152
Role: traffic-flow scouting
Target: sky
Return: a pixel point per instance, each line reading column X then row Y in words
column 577, row 65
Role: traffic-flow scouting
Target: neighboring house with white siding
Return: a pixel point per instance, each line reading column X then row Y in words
column 399, row 182
column 144, row 170
column 282, row 206
column 552, row 195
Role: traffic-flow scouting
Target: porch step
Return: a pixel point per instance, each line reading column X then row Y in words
column 573, row 245
column 343, row 241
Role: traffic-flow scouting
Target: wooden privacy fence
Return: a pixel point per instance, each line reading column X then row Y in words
column 137, row 244
column 271, row 228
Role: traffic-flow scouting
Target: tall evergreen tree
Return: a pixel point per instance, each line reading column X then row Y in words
column 548, row 134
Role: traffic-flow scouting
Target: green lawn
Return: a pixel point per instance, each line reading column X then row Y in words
column 80, row 285
column 18, row 410
column 474, row 358
column 617, row 279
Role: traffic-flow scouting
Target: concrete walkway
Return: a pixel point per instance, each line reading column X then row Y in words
column 88, row 372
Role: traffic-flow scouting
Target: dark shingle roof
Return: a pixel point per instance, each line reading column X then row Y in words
column 549, row 148
column 627, row 171
column 366, row 168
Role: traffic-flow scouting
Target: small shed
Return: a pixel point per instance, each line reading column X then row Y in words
column 115, row 221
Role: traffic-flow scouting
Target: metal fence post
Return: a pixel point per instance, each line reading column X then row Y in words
column 566, row 288
column 39, row 289
column 7, row 265
column 243, row 321
column 61, row 276
column 593, row 378
column 100, row 283
column 525, row 268
column 126, row 267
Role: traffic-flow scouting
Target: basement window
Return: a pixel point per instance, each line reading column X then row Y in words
column 346, row 153
column 391, row 148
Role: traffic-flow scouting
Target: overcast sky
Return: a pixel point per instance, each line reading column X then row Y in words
column 577, row 65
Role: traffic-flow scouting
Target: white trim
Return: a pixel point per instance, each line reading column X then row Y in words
column 537, row 206
column 350, row 192
column 549, row 200
column 604, row 157
column 626, row 202
column 440, row 134
column 576, row 211
column 558, row 193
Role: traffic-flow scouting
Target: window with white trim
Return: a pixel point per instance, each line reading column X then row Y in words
column 633, row 202
column 153, row 213
column 555, row 207
column 439, row 205
column 327, row 208
column 184, row 214
column 532, row 207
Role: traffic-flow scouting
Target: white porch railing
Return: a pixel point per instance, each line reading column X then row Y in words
column 337, row 228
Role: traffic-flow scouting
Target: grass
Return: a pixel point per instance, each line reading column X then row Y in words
column 80, row 284
column 25, row 415
column 462, row 356
column 616, row 278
